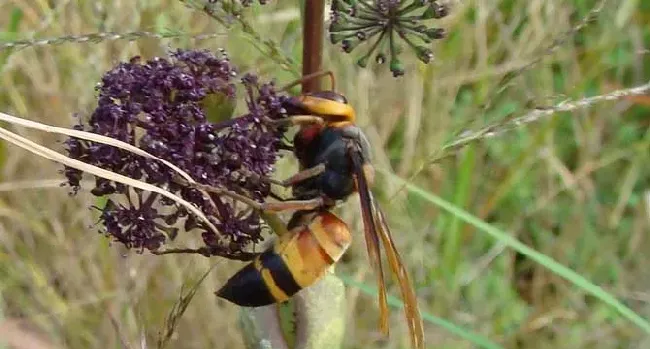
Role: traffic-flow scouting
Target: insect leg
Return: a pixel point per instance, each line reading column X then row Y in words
column 302, row 175
column 295, row 205
column 311, row 77
column 297, row 120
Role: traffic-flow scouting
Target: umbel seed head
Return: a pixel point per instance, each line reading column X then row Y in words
column 381, row 24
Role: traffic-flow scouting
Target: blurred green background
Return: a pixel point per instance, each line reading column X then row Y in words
column 575, row 187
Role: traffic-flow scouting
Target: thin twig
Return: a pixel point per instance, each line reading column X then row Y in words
column 207, row 252
column 103, row 36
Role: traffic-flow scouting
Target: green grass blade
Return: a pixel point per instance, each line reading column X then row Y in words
column 452, row 239
column 461, row 332
column 538, row 257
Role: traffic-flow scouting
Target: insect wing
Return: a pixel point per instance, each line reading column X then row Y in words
column 376, row 228
column 372, row 240
column 411, row 309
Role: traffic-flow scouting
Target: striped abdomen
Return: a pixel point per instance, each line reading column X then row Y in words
column 316, row 241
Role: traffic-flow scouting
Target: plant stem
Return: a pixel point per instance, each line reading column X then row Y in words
column 315, row 316
column 312, row 50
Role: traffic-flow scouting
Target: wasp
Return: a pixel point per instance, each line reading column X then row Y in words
column 334, row 159
column 316, row 240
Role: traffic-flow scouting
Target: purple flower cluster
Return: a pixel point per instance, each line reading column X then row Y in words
column 160, row 107
column 357, row 21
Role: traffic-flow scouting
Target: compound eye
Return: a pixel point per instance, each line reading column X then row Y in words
column 330, row 95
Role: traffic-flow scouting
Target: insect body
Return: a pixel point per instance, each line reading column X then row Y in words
column 344, row 151
column 329, row 148
column 334, row 158
column 316, row 240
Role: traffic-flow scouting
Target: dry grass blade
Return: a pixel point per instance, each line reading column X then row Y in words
column 91, row 137
column 54, row 156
